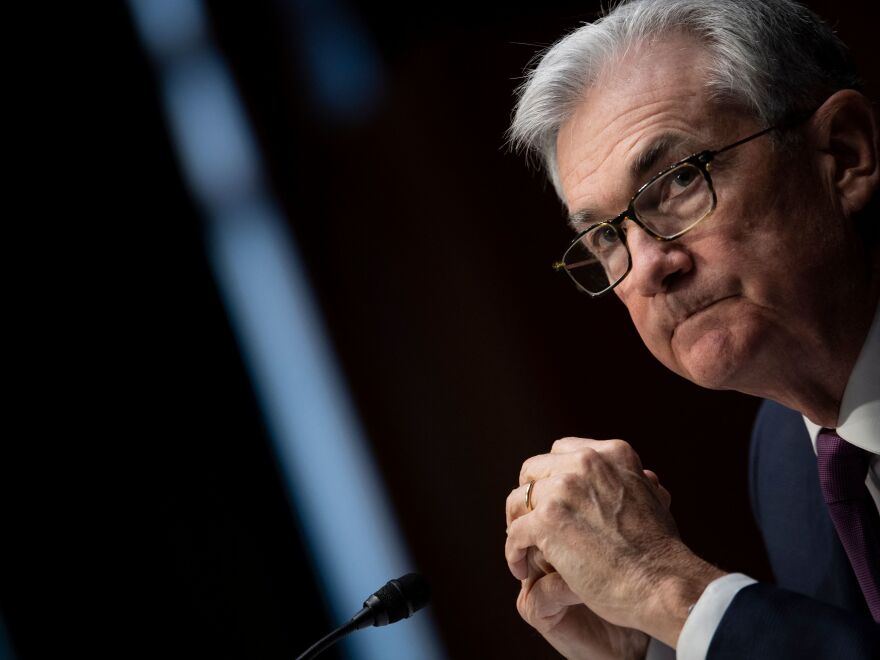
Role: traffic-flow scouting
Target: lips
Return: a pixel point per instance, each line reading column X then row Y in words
column 682, row 310
column 707, row 306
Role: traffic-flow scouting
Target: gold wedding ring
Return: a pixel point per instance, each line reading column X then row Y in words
column 529, row 495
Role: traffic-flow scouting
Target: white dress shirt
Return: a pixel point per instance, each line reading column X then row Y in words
column 858, row 424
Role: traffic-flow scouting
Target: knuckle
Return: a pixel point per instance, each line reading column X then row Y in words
column 569, row 483
column 624, row 452
column 620, row 448
column 618, row 445
column 553, row 511
column 562, row 443
column 587, row 459
column 522, row 605
column 510, row 552
column 550, row 513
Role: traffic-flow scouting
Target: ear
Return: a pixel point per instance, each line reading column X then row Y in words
column 846, row 133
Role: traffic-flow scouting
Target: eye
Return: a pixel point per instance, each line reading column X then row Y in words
column 684, row 177
column 603, row 239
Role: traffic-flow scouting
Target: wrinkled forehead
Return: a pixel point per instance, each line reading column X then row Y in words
column 653, row 93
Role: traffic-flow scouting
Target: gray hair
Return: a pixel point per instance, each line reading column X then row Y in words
column 770, row 57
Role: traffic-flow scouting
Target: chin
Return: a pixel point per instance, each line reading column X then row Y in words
column 710, row 364
column 714, row 357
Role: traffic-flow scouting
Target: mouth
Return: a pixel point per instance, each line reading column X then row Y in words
column 696, row 311
column 703, row 308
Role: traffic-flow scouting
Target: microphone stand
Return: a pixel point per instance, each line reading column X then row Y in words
column 360, row 620
column 397, row 600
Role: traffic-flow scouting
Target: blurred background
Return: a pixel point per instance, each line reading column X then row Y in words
column 317, row 333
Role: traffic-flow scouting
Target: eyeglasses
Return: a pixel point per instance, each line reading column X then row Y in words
column 668, row 206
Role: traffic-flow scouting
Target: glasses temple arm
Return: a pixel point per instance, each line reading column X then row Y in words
column 789, row 122
column 745, row 139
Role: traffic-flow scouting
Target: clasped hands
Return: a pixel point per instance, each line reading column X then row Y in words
column 599, row 556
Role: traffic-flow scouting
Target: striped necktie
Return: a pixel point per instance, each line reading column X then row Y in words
column 843, row 468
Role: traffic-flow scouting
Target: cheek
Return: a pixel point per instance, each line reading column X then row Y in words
column 767, row 225
column 741, row 253
column 653, row 332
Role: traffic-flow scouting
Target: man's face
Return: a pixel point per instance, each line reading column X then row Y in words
column 724, row 304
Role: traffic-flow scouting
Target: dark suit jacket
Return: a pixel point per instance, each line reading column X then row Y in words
column 816, row 609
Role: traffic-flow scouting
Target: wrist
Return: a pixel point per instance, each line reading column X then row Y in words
column 679, row 586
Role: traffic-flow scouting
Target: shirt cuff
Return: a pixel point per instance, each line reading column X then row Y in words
column 698, row 630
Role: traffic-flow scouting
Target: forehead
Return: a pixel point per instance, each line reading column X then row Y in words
column 654, row 92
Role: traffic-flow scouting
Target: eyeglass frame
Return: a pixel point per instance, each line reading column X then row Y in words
column 702, row 160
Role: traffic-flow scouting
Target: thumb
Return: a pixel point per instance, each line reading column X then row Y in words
column 662, row 493
column 546, row 599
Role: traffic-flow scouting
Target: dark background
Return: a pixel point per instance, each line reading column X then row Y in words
column 428, row 245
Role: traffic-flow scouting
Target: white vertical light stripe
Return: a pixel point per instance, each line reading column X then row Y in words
column 337, row 492
column 209, row 128
column 331, row 478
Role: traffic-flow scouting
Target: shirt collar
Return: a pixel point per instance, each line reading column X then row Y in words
column 859, row 419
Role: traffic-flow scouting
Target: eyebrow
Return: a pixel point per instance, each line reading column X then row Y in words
column 582, row 219
column 643, row 165
column 645, row 162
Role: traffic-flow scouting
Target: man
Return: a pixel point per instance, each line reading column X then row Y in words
column 750, row 262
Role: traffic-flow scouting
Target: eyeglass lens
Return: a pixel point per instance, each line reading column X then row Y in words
column 667, row 207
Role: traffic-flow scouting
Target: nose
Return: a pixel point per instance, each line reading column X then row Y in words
column 656, row 265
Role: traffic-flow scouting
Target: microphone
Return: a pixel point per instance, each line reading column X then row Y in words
column 398, row 599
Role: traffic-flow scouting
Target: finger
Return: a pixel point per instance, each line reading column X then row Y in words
column 567, row 454
column 565, row 445
column 541, row 467
column 544, row 466
column 662, row 493
column 516, row 503
column 520, row 501
column 538, row 565
column 665, row 497
column 618, row 451
column 520, row 537
column 545, row 598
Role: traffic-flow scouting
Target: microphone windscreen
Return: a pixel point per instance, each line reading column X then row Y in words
column 416, row 589
column 404, row 596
